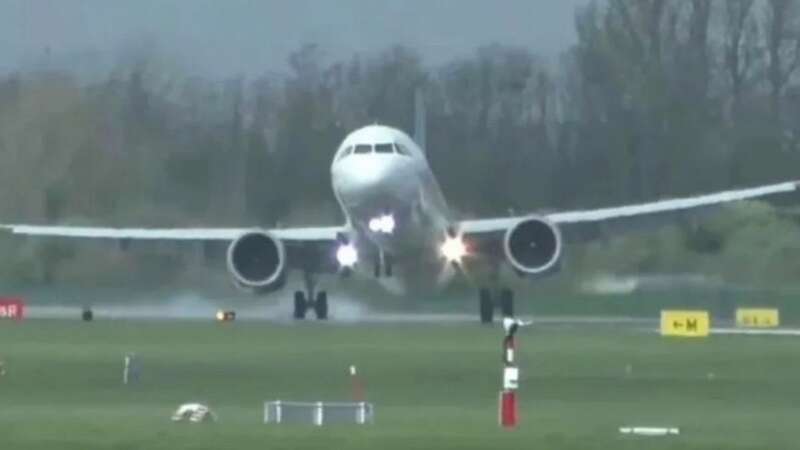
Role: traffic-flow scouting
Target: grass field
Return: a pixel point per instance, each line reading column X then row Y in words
column 434, row 388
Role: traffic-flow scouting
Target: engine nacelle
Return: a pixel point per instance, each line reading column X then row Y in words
column 257, row 262
column 533, row 246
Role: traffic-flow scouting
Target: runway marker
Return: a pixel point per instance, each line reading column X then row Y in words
column 650, row 431
column 757, row 332
column 358, row 386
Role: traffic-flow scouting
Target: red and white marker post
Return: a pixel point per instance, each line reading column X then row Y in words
column 358, row 385
column 508, row 411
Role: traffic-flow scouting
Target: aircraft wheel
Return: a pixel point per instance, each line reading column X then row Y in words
column 300, row 305
column 321, row 305
column 486, row 306
column 507, row 303
column 388, row 269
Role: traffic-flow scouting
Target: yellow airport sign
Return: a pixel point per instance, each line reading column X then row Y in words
column 757, row 317
column 685, row 323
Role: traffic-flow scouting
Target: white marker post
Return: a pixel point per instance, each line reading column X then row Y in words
column 127, row 370
column 130, row 373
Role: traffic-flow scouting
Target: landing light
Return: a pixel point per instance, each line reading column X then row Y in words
column 347, row 255
column 454, row 249
column 383, row 224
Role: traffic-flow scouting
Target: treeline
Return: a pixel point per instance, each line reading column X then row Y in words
column 658, row 98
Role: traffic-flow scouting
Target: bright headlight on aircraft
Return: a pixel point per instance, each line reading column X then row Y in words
column 375, row 224
column 388, row 224
column 383, row 224
column 346, row 255
column 454, row 249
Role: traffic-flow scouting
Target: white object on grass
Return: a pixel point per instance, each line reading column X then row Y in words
column 130, row 373
column 318, row 413
column 650, row 431
column 193, row 413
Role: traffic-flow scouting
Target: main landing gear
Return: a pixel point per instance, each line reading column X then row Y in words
column 302, row 304
column 383, row 265
column 309, row 299
column 504, row 299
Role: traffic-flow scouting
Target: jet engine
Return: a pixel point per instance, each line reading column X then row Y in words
column 257, row 262
column 533, row 246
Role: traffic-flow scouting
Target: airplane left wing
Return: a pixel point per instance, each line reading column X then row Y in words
column 257, row 258
column 309, row 234
column 585, row 223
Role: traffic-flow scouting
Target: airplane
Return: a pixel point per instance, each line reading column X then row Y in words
column 398, row 229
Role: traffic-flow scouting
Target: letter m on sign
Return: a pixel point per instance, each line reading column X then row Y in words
column 691, row 324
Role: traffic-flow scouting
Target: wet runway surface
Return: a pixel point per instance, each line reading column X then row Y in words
column 344, row 312
column 353, row 313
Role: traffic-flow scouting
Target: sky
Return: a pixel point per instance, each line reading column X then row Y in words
column 219, row 38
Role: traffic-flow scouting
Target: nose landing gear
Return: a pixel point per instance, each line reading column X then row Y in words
column 383, row 265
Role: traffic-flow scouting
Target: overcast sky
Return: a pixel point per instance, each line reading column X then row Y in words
column 227, row 37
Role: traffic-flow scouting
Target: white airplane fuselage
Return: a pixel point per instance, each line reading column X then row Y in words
column 393, row 205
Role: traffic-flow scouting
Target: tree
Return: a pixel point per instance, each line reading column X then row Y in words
column 740, row 50
column 783, row 47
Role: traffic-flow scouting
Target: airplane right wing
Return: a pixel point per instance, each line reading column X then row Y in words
column 533, row 244
column 587, row 222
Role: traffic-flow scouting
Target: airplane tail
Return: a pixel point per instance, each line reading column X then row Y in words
column 419, row 119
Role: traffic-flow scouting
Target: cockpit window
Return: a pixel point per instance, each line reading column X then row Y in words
column 383, row 148
column 346, row 152
column 402, row 150
column 362, row 148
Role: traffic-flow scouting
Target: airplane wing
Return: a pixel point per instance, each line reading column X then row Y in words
column 310, row 234
column 589, row 223
column 300, row 243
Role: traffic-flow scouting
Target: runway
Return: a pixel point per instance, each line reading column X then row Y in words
column 351, row 312
column 342, row 310
column 345, row 314
column 757, row 331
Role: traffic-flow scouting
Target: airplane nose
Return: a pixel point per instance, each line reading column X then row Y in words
column 370, row 179
column 365, row 175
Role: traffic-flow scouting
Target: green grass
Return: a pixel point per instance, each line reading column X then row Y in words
column 434, row 388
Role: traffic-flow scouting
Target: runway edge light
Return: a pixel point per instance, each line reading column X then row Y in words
column 225, row 316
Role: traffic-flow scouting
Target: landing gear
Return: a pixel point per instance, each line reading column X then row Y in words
column 301, row 305
column 486, row 308
column 321, row 305
column 383, row 265
column 303, row 300
column 486, row 305
column 507, row 303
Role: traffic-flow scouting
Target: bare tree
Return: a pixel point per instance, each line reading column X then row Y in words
column 783, row 47
column 740, row 51
column 698, row 47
